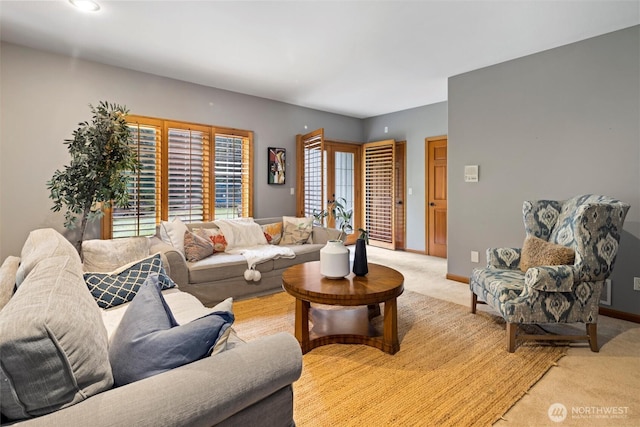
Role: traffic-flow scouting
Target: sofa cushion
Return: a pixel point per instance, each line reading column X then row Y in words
column 241, row 233
column 537, row 252
column 40, row 244
column 223, row 266
column 296, row 231
column 149, row 341
column 272, row 232
column 197, row 247
column 53, row 342
column 172, row 232
column 107, row 255
column 304, row 253
column 184, row 307
column 120, row 286
column 8, row 272
column 214, row 234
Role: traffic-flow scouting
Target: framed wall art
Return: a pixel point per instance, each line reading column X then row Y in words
column 276, row 166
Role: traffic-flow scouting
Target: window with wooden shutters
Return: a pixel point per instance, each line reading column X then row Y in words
column 232, row 174
column 312, row 179
column 379, row 192
column 189, row 171
column 144, row 204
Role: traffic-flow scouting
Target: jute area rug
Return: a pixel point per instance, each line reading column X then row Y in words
column 452, row 368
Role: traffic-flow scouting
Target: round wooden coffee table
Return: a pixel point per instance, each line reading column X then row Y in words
column 359, row 297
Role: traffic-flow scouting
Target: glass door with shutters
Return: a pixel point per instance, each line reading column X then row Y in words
column 329, row 172
column 343, row 184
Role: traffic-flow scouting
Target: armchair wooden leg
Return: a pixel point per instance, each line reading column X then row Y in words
column 592, row 331
column 474, row 302
column 511, row 337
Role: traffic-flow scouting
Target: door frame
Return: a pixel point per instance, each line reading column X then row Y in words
column 400, row 220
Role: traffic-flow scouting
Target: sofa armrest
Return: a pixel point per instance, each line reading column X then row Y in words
column 174, row 263
column 504, row 258
column 321, row 235
column 552, row 278
column 202, row 393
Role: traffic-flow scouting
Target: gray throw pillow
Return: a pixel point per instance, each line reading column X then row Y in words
column 149, row 341
column 52, row 341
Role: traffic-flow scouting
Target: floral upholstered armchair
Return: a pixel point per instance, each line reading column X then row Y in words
column 557, row 276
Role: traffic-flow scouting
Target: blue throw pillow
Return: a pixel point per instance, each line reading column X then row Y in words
column 112, row 289
column 149, row 341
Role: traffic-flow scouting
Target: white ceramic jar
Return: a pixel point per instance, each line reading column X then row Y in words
column 334, row 260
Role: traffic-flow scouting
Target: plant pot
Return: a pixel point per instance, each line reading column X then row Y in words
column 360, row 265
column 334, row 260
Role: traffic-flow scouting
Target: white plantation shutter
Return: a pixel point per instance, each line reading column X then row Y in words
column 140, row 219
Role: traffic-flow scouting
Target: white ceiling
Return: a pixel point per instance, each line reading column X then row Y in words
column 357, row 58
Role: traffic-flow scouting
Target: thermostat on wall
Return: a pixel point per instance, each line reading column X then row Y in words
column 471, row 173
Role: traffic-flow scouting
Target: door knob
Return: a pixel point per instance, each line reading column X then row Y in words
column 432, row 204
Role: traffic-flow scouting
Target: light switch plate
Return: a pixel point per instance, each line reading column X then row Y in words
column 471, row 173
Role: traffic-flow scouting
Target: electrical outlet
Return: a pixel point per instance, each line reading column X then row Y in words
column 474, row 256
column 636, row 283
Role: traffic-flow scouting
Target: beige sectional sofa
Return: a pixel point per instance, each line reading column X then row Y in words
column 221, row 275
column 56, row 362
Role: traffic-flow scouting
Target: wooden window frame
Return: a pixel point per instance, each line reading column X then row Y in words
column 162, row 179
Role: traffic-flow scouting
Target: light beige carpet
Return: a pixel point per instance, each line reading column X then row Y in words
column 451, row 370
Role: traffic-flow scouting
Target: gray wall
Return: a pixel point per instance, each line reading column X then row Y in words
column 412, row 126
column 43, row 97
column 551, row 125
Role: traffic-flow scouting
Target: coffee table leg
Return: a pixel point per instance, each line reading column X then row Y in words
column 390, row 333
column 302, row 324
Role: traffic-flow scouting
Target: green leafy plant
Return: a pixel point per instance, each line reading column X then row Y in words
column 364, row 235
column 102, row 163
column 337, row 210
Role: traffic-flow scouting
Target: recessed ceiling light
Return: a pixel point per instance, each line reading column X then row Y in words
column 86, row 5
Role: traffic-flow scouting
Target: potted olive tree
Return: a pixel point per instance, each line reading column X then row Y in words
column 100, row 170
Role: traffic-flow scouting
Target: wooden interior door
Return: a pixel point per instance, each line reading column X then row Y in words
column 436, row 149
column 400, row 187
column 379, row 192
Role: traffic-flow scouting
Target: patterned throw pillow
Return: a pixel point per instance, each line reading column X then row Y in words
column 149, row 341
column 537, row 252
column 216, row 237
column 197, row 247
column 296, row 231
column 273, row 232
column 120, row 286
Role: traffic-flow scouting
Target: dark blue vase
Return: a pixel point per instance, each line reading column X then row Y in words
column 360, row 267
